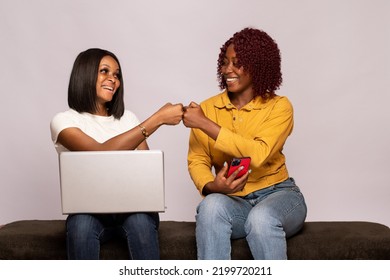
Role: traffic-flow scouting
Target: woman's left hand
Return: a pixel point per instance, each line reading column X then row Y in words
column 193, row 117
column 226, row 185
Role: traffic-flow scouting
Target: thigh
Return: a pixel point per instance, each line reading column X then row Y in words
column 83, row 223
column 284, row 206
column 87, row 225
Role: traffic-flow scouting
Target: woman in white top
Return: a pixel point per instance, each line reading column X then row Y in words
column 97, row 121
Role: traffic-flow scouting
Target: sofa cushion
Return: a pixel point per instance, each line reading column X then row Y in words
column 340, row 240
column 45, row 239
column 33, row 240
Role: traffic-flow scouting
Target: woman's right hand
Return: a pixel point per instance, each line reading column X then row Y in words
column 171, row 114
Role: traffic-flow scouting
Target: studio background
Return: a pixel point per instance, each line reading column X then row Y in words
column 336, row 71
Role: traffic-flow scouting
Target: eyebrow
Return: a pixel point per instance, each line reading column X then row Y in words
column 234, row 58
column 109, row 66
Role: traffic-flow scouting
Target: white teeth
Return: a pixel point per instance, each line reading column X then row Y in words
column 231, row 79
column 109, row 88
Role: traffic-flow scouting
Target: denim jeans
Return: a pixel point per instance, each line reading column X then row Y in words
column 265, row 217
column 85, row 233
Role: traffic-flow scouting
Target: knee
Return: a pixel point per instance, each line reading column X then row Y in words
column 142, row 221
column 81, row 226
column 261, row 222
column 210, row 204
column 211, row 208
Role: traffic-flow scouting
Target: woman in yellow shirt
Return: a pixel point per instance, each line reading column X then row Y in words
column 248, row 119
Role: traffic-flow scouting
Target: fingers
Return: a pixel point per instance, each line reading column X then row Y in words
column 186, row 115
column 233, row 176
column 238, row 184
column 183, row 108
column 242, row 181
column 223, row 170
column 181, row 111
column 179, row 108
column 180, row 105
column 231, row 184
column 172, row 114
column 193, row 105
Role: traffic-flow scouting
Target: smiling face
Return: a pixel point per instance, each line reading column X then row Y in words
column 237, row 80
column 107, row 81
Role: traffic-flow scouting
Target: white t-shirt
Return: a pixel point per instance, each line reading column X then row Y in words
column 98, row 127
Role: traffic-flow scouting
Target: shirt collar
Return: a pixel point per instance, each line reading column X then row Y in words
column 257, row 103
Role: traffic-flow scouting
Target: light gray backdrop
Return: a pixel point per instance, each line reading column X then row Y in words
column 336, row 73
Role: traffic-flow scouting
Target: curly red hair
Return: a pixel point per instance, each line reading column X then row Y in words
column 259, row 55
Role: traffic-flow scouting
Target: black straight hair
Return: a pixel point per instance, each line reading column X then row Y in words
column 82, row 95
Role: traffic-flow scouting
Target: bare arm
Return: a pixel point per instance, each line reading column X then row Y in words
column 76, row 140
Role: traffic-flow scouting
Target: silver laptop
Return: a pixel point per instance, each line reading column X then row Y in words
column 112, row 181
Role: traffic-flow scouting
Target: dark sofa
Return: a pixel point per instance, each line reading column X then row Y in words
column 45, row 239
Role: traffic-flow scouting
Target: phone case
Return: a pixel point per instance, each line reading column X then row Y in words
column 236, row 163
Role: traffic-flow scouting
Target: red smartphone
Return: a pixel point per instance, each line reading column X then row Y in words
column 236, row 163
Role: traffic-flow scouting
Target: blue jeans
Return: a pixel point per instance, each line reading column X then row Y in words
column 85, row 233
column 265, row 217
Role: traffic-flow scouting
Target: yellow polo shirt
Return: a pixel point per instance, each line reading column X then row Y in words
column 258, row 130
